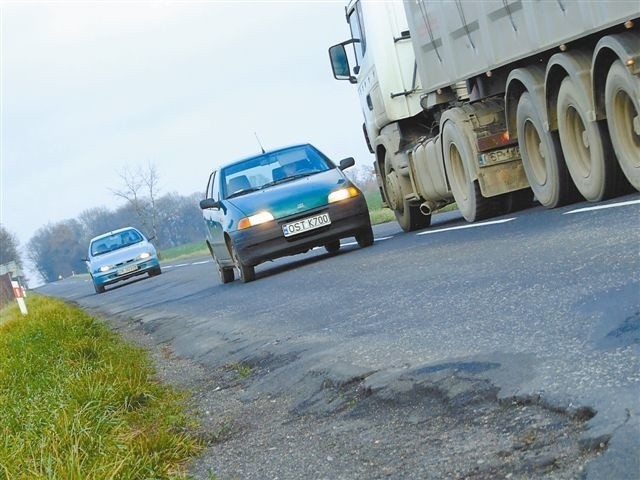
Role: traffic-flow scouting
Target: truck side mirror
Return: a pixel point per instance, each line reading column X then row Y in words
column 340, row 62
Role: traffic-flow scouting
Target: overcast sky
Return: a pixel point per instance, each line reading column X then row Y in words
column 88, row 88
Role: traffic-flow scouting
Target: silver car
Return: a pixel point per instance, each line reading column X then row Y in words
column 119, row 255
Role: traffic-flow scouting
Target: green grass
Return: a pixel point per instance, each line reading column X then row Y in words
column 377, row 213
column 184, row 251
column 242, row 369
column 76, row 402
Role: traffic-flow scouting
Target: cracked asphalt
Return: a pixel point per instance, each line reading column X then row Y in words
column 504, row 350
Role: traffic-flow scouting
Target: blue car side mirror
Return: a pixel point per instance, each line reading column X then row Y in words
column 209, row 203
column 346, row 163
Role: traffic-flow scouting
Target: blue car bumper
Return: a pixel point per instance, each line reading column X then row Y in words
column 266, row 242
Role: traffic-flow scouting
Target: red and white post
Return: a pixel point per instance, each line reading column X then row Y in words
column 19, row 294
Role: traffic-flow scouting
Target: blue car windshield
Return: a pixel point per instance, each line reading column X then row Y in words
column 271, row 168
column 114, row 242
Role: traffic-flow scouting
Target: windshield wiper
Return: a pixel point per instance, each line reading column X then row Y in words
column 242, row 192
column 275, row 182
column 286, row 179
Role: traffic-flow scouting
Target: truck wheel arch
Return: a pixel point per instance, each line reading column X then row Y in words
column 577, row 65
column 519, row 81
column 624, row 47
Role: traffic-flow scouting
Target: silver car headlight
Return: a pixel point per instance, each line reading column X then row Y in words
column 144, row 255
column 105, row 268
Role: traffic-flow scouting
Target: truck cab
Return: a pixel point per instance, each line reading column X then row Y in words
column 379, row 59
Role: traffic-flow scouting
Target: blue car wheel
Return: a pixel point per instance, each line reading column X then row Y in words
column 247, row 272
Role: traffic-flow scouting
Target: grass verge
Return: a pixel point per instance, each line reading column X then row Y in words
column 185, row 251
column 76, row 402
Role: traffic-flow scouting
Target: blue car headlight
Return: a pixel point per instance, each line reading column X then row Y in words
column 343, row 194
column 253, row 220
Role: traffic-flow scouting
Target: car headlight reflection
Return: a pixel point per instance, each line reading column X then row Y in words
column 254, row 220
column 105, row 268
column 144, row 255
column 343, row 194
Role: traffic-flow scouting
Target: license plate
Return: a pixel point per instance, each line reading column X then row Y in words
column 499, row 156
column 129, row 269
column 306, row 224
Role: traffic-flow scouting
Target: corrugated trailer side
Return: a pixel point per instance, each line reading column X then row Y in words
column 457, row 40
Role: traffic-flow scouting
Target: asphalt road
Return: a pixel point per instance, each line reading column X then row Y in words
column 541, row 305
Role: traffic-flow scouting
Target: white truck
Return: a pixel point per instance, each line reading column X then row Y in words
column 492, row 103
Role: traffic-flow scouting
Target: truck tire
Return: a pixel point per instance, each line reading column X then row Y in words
column 542, row 157
column 458, row 155
column 518, row 200
column 585, row 144
column 409, row 217
column 621, row 94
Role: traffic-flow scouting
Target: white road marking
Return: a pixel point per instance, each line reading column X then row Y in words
column 182, row 265
column 471, row 225
column 348, row 244
column 600, row 207
column 201, row 263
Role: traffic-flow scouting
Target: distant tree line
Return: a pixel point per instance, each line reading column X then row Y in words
column 57, row 248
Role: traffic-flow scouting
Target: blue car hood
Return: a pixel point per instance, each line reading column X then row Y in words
column 292, row 197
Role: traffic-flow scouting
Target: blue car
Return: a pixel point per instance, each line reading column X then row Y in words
column 279, row 203
column 119, row 255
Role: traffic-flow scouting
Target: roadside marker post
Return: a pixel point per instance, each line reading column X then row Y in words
column 19, row 294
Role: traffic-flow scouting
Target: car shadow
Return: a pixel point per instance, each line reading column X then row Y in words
column 291, row 262
column 124, row 283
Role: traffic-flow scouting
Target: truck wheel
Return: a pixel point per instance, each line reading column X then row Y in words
column 458, row 154
column 585, row 144
column 518, row 200
column 621, row 95
column 542, row 157
column 247, row 272
column 409, row 217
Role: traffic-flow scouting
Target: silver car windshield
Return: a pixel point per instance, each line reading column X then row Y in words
column 115, row 241
column 270, row 168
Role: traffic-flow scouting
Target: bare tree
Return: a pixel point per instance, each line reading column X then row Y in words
column 9, row 247
column 140, row 190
